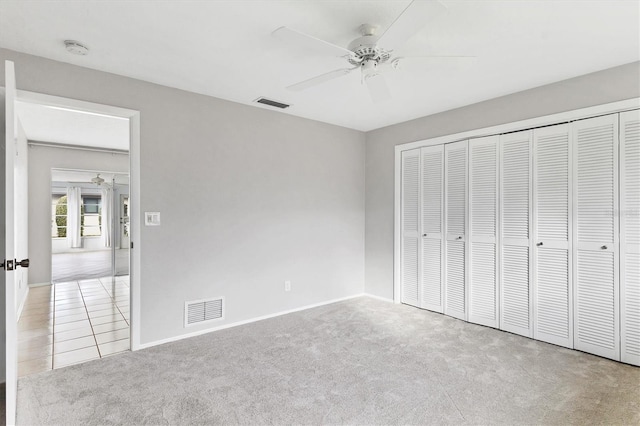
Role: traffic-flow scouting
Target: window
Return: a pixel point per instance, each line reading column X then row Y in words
column 90, row 222
column 58, row 216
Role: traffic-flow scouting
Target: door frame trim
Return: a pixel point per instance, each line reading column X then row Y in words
column 134, row 190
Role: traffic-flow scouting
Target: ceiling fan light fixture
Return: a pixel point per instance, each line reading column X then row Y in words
column 97, row 180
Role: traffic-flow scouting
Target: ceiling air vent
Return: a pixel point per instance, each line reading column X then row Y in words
column 199, row 311
column 272, row 103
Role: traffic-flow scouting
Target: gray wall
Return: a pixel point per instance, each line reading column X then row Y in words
column 249, row 198
column 602, row 87
column 41, row 161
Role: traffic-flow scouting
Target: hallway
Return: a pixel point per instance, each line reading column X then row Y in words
column 73, row 322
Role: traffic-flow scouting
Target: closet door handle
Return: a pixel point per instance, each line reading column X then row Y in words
column 459, row 238
column 424, row 235
column 540, row 244
column 603, row 247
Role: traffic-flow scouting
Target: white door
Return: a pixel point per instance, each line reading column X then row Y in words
column 410, row 227
column 515, row 212
column 551, row 258
column 596, row 317
column 9, row 276
column 455, row 229
column 630, row 236
column 432, row 217
column 483, row 220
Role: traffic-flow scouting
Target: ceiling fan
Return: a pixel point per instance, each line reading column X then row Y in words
column 371, row 53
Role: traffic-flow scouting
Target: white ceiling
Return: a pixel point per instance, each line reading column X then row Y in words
column 225, row 48
column 70, row 127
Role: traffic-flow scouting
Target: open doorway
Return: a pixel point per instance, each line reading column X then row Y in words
column 77, row 307
column 92, row 240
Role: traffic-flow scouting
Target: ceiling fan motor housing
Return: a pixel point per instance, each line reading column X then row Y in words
column 366, row 48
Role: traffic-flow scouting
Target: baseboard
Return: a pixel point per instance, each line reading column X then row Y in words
column 384, row 299
column 21, row 305
column 39, row 284
column 238, row 323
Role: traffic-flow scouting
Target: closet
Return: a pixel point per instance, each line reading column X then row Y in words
column 535, row 232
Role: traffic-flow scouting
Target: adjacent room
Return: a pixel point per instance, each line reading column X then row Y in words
column 320, row 212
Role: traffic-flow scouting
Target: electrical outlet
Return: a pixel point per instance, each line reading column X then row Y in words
column 287, row 286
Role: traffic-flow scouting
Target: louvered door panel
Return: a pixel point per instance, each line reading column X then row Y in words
column 410, row 225
column 551, row 218
column 455, row 227
column 596, row 318
column 630, row 237
column 483, row 217
column 515, row 213
column 432, row 218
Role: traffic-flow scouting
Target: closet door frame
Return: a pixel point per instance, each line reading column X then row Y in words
column 417, row 154
column 545, row 120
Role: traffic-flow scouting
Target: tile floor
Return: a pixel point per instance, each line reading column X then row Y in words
column 73, row 322
column 82, row 265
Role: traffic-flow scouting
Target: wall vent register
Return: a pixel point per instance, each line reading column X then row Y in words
column 202, row 311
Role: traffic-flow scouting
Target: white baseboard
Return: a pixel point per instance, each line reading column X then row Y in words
column 39, row 284
column 235, row 324
column 384, row 299
column 21, row 305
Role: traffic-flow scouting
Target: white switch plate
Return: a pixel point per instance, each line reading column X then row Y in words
column 287, row 286
column 152, row 218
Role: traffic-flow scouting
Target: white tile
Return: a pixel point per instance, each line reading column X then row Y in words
column 110, row 326
column 72, row 334
column 111, row 348
column 75, row 357
column 72, row 311
column 106, row 319
column 33, row 366
column 57, row 328
column 104, row 312
column 71, row 318
column 112, row 336
column 72, row 345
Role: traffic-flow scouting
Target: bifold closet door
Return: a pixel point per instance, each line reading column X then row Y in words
column 483, row 219
column 515, row 212
column 432, row 217
column 409, row 254
column 551, row 258
column 596, row 317
column 455, row 229
column 630, row 236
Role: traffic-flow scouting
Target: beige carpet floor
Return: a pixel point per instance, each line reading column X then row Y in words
column 361, row 361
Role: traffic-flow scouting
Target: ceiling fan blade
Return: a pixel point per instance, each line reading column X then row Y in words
column 320, row 79
column 308, row 42
column 439, row 59
column 410, row 21
column 378, row 89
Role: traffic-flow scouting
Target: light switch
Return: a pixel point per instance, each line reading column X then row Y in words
column 152, row 218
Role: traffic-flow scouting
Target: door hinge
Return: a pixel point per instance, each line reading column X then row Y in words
column 131, row 244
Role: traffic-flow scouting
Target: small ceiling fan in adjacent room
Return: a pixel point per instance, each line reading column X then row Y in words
column 373, row 54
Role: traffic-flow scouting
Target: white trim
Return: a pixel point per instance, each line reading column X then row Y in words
column 545, row 120
column 39, row 284
column 243, row 322
column 134, row 184
column 21, row 306
column 383, row 299
column 557, row 118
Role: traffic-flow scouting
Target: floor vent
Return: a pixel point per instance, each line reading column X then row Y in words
column 199, row 311
column 272, row 103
